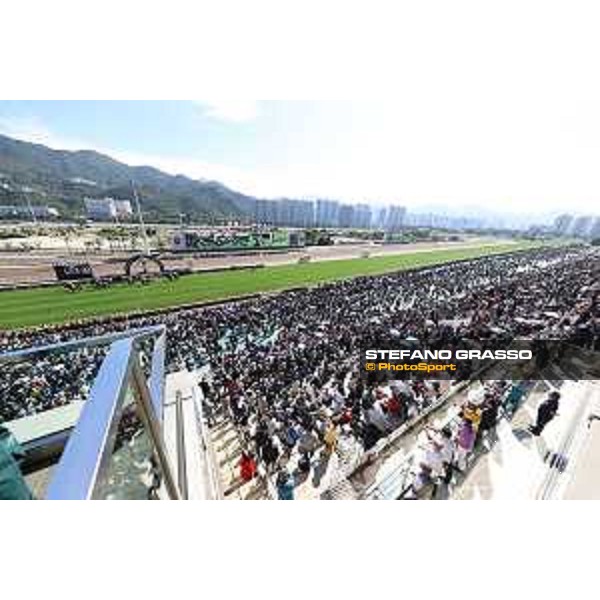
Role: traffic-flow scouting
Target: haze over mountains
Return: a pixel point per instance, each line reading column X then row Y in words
column 62, row 178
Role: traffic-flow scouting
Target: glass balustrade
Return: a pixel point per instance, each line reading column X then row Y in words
column 110, row 445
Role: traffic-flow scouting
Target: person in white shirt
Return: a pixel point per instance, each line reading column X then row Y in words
column 376, row 417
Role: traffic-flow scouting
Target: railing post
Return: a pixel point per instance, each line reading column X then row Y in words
column 157, row 377
column 155, row 431
column 87, row 453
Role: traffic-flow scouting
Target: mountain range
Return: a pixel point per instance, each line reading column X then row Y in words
column 62, row 178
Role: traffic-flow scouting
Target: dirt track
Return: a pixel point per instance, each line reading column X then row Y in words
column 36, row 266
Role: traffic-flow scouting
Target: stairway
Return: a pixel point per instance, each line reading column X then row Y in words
column 228, row 450
column 342, row 490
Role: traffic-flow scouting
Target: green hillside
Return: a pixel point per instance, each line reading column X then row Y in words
column 63, row 178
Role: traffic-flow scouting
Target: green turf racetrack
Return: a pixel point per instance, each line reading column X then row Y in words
column 40, row 306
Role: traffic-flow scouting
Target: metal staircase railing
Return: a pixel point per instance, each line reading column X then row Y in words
column 117, row 441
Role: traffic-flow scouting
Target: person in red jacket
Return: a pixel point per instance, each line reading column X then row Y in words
column 247, row 466
column 393, row 405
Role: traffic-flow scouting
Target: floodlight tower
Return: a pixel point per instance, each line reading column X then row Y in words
column 30, row 208
column 140, row 219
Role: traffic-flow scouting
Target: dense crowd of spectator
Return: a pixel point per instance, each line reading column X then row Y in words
column 285, row 367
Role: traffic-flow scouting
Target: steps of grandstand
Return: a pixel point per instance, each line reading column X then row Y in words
column 373, row 474
column 342, row 490
column 328, row 472
column 388, row 473
column 520, row 465
column 187, row 438
column 515, row 464
column 228, row 450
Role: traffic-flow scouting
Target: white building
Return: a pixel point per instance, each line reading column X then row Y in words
column 123, row 208
column 100, row 209
column 45, row 212
column 107, row 209
column 26, row 212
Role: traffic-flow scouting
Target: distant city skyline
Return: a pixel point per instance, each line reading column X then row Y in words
column 378, row 153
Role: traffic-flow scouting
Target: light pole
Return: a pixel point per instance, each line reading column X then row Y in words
column 141, row 220
column 30, row 208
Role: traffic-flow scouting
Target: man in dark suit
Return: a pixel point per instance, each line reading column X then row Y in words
column 546, row 412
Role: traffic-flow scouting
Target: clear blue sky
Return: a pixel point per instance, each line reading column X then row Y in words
column 251, row 144
column 242, row 133
column 467, row 149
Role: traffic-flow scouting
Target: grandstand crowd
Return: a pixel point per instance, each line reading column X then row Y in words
column 285, row 367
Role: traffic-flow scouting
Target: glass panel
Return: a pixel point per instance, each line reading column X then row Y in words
column 41, row 398
column 133, row 472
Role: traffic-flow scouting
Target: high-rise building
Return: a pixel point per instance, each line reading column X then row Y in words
column 303, row 213
column 346, row 215
column 595, row 229
column 327, row 213
column 443, row 221
column 266, row 212
column 363, row 216
column 285, row 212
column 581, row 226
column 294, row 213
column 392, row 218
column 562, row 224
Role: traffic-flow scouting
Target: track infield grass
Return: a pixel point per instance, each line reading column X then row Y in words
column 46, row 306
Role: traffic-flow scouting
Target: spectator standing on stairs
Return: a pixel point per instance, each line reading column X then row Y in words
column 12, row 483
column 546, row 412
column 331, row 438
column 489, row 418
column 208, row 409
column 247, row 466
column 270, row 453
column 448, row 451
column 285, row 486
column 465, row 440
column 514, row 396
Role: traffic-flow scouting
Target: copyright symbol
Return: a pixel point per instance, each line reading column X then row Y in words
column 370, row 366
